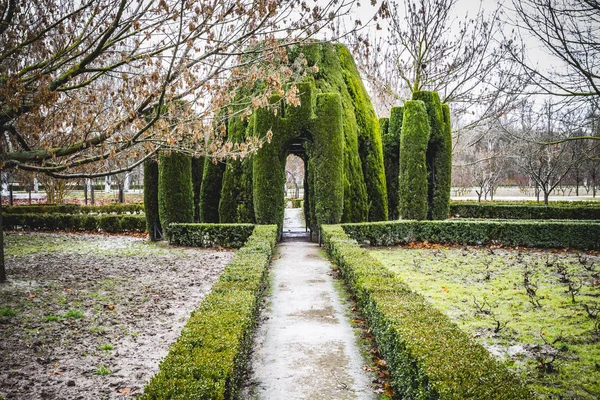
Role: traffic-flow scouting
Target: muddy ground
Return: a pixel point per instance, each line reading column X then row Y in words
column 90, row 316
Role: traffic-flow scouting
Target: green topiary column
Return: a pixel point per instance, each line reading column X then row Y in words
column 210, row 191
column 412, row 181
column 197, row 172
column 151, row 198
column 391, row 157
column 327, row 156
column 440, row 208
column 268, row 171
column 175, row 193
column 436, row 190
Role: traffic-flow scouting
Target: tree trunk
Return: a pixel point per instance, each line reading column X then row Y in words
column 121, row 192
column 92, row 191
column 85, row 191
column 2, row 269
column 546, row 196
column 10, row 194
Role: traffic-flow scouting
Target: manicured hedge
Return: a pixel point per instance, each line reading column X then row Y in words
column 428, row 356
column 210, row 235
column 175, row 192
column 546, row 234
column 116, row 208
column 209, row 358
column 151, row 199
column 75, row 222
column 412, row 181
column 522, row 211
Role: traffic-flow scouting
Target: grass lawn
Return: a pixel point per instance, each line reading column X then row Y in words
column 537, row 311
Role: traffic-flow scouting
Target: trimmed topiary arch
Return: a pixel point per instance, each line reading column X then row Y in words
column 335, row 131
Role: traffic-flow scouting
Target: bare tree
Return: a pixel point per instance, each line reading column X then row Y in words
column 422, row 46
column 85, row 82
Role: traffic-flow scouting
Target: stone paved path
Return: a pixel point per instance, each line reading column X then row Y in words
column 305, row 347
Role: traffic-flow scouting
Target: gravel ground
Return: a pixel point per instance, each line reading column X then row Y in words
column 90, row 316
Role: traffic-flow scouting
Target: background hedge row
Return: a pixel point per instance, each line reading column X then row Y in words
column 210, row 235
column 209, row 358
column 523, row 211
column 76, row 222
column 428, row 356
column 112, row 208
column 549, row 234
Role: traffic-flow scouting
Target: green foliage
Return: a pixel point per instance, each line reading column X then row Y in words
column 76, row 222
column 175, row 194
column 546, row 234
column 7, row 312
column 327, row 156
column 74, row 314
column 210, row 191
column 369, row 137
column 102, row 370
column 391, row 132
column 210, row 235
column 112, row 208
column 427, row 355
column 439, row 156
column 523, row 211
column 296, row 203
column 209, row 359
column 197, row 173
column 412, row 179
column 151, row 197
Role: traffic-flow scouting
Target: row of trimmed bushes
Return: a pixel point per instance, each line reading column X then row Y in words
column 76, row 222
column 428, row 356
column 209, row 358
column 112, row 208
column 546, row 234
column 561, row 203
column 209, row 235
column 523, row 211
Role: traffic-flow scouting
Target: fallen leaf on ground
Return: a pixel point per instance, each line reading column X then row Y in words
column 125, row 390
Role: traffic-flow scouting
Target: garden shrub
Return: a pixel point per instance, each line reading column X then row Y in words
column 391, row 131
column 111, row 208
column 175, row 194
column 209, row 359
column 151, row 198
column 197, row 173
column 210, row 191
column 210, row 235
column 546, row 234
column 76, row 222
column 296, row 203
column 412, row 181
column 427, row 355
column 523, row 211
column 439, row 155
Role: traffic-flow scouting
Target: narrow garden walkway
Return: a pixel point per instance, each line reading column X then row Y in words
column 305, row 347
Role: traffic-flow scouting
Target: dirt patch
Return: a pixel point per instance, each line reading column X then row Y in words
column 91, row 316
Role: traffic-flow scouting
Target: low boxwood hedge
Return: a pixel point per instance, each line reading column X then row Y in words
column 428, row 356
column 210, row 235
column 524, row 211
column 111, row 208
column 76, row 222
column 546, row 234
column 209, row 358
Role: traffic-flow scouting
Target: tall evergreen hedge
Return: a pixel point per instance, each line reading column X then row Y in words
column 210, row 191
column 439, row 170
column 412, row 181
column 175, row 194
column 440, row 209
column 391, row 157
column 328, row 187
column 197, row 172
column 151, row 198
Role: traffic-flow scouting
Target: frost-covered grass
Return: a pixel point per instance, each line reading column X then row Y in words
column 538, row 311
